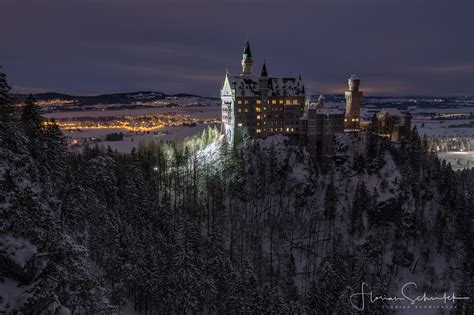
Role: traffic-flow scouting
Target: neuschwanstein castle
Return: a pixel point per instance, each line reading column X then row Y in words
column 265, row 105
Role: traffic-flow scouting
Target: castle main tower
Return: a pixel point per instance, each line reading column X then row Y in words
column 247, row 61
column 353, row 97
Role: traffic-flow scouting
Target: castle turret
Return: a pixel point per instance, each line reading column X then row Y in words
column 353, row 98
column 320, row 101
column 247, row 61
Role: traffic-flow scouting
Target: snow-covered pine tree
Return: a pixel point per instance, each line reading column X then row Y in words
column 6, row 102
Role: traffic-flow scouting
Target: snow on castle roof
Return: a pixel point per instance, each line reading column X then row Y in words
column 330, row 111
column 249, row 86
column 391, row 111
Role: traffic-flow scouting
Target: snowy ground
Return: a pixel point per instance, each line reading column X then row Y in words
column 132, row 139
column 427, row 121
column 423, row 119
column 458, row 160
column 19, row 251
column 442, row 128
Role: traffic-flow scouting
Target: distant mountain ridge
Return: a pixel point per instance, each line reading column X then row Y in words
column 112, row 98
column 126, row 98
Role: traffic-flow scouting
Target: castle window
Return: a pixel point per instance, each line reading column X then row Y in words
column 288, row 102
column 258, row 130
column 258, row 109
column 345, row 119
column 259, row 102
column 246, row 101
column 295, row 101
column 281, row 101
column 258, row 116
column 239, row 110
column 353, row 119
column 246, row 110
column 239, row 102
column 274, row 101
column 239, row 124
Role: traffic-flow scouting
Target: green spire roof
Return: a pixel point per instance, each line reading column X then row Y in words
column 247, row 49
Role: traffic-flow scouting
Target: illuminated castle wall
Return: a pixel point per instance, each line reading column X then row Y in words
column 263, row 105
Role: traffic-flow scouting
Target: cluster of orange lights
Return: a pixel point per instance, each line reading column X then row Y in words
column 142, row 123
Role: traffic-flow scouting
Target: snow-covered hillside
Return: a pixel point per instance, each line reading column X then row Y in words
column 204, row 226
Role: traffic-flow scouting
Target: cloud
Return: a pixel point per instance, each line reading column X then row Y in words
column 167, row 72
column 396, row 46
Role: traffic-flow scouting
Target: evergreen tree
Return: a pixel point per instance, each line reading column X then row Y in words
column 6, row 102
column 360, row 205
column 330, row 200
column 31, row 115
column 289, row 287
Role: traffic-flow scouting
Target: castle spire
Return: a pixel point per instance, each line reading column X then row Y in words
column 263, row 81
column 264, row 70
column 247, row 61
column 247, row 50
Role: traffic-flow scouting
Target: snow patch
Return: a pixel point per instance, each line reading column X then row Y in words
column 16, row 249
column 10, row 294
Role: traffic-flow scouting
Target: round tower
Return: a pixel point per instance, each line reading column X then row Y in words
column 353, row 98
column 247, row 62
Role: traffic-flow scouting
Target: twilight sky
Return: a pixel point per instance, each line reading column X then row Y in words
column 396, row 47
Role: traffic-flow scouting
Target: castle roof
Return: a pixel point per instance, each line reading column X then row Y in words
column 264, row 71
column 330, row 111
column 327, row 110
column 247, row 49
column 354, row 77
column 390, row 111
column 248, row 86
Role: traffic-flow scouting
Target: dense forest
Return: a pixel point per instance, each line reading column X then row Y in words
column 202, row 226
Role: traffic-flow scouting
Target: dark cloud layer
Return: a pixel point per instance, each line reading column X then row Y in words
column 397, row 47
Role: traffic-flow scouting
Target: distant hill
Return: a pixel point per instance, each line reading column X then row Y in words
column 122, row 98
column 150, row 96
